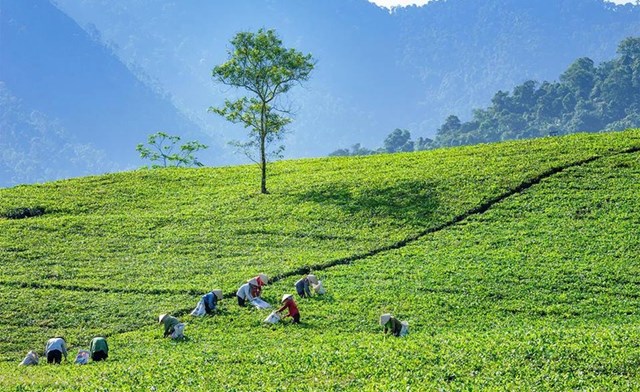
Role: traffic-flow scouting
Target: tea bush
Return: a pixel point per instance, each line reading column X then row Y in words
column 22, row 212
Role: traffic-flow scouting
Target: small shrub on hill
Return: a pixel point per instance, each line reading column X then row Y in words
column 22, row 212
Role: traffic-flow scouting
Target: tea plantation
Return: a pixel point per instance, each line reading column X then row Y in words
column 517, row 266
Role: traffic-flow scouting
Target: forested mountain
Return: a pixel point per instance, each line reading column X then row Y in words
column 586, row 98
column 108, row 73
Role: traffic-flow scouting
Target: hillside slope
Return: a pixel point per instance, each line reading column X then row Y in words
column 501, row 268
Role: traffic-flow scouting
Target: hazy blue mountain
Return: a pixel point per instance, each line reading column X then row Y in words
column 69, row 106
column 36, row 148
column 377, row 71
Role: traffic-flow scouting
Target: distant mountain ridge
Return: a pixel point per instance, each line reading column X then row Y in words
column 376, row 70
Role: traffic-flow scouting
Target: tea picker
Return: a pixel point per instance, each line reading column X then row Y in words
column 247, row 293
column 99, row 348
column 54, row 349
column 290, row 305
column 173, row 328
column 208, row 303
column 303, row 285
column 262, row 280
column 393, row 325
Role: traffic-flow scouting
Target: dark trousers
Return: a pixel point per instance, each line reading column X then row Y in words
column 99, row 355
column 240, row 301
column 296, row 318
column 54, row 356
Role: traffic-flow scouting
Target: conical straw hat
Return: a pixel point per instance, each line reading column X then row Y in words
column 385, row 318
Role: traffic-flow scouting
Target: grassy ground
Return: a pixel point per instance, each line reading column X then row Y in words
column 537, row 293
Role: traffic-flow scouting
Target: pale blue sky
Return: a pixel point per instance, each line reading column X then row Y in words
column 394, row 3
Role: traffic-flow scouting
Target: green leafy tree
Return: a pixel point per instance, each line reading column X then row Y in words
column 259, row 64
column 356, row 150
column 341, row 152
column 164, row 148
column 424, row 143
column 451, row 125
column 398, row 141
column 580, row 77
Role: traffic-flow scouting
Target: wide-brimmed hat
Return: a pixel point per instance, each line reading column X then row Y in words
column 286, row 297
column 253, row 281
column 217, row 293
column 385, row 318
column 162, row 316
column 264, row 278
column 313, row 279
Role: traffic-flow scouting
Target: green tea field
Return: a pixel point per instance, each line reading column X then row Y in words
column 516, row 265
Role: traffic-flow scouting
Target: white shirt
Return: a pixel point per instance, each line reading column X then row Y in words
column 56, row 344
column 244, row 292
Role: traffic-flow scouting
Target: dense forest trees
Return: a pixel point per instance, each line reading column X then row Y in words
column 587, row 98
column 397, row 141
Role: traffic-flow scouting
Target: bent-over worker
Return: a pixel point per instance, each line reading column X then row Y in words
column 55, row 349
column 290, row 304
column 303, row 285
column 246, row 292
column 173, row 328
column 99, row 348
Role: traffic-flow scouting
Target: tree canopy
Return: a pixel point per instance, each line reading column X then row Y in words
column 266, row 70
column 163, row 148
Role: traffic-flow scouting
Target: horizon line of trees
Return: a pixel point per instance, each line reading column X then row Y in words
column 587, row 98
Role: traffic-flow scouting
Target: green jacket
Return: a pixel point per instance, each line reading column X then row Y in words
column 99, row 344
column 169, row 323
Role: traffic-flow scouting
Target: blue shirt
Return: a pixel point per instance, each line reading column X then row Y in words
column 302, row 287
column 210, row 301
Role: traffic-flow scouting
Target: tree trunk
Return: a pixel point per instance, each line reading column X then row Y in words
column 263, row 163
column 263, row 154
column 263, row 166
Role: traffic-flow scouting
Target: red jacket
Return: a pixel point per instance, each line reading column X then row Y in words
column 291, row 305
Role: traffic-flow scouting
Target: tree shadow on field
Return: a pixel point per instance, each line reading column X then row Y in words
column 410, row 201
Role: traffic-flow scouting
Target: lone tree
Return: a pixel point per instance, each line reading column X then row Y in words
column 164, row 148
column 259, row 64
